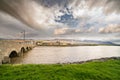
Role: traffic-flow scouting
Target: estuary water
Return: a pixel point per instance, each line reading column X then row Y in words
column 53, row 55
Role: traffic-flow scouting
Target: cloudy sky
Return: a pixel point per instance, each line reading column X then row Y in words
column 93, row 19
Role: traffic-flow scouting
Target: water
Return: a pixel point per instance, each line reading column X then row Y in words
column 51, row 55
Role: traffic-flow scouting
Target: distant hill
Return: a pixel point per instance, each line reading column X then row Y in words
column 1, row 38
column 98, row 42
column 101, row 42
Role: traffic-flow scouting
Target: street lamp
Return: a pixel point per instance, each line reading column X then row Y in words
column 23, row 43
column 23, row 35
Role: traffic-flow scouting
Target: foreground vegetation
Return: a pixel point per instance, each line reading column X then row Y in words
column 97, row 70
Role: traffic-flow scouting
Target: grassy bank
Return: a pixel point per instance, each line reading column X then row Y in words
column 108, row 70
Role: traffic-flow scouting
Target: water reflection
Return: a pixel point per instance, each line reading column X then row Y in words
column 51, row 55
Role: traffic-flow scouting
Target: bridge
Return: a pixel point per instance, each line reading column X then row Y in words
column 14, row 48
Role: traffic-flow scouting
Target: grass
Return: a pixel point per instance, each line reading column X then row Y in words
column 108, row 70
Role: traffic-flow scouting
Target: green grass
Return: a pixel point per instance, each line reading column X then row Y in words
column 108, row 70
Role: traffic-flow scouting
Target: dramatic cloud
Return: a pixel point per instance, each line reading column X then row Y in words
column 28, row 12
column 42, row 18
column 60, row 31
column 12, row 28
column 112, row 28
column 108, row 6
column 37, row 12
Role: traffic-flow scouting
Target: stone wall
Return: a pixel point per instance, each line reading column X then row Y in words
column 7, row 46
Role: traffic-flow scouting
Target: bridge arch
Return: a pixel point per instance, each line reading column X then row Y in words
column 23, row 50
column 13, row 54
column 27, row 48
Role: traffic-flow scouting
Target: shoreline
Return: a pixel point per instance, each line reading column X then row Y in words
column 74, row 45
column 93, row 60
column 81, row 62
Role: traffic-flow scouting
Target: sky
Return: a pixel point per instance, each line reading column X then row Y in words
column 44, row 19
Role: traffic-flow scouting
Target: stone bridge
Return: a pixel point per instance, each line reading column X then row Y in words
column 14, row 48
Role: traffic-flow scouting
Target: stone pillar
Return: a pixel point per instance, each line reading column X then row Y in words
column 6, row 60
column 19, row 53
column 0, row 62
